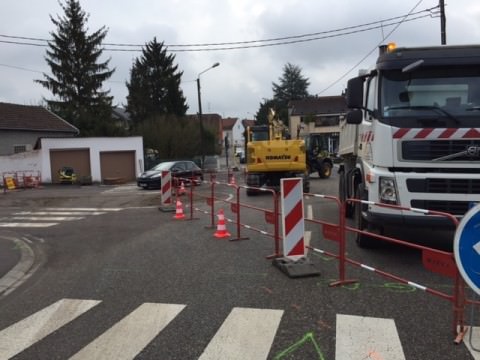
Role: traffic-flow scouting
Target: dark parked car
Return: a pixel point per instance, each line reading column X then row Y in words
column 181, row 171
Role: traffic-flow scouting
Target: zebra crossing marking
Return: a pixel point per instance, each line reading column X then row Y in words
column 472, row 341
column 129, row 336
column 357, row 337
column 255, row 327
column 29, row 225
column 45, row 217
column 66, row 213
column 23, row 334
column 360, row 337
column 82, row 209
column 48, row 218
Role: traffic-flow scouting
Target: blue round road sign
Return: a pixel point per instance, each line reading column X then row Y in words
column 466, row 248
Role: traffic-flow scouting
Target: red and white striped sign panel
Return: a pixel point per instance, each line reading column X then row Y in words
column 293, row 223
column 436, row 133
column 166, row 188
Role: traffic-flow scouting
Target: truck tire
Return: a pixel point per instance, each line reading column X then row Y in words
column 362, row 240
column 306, row 186
column 325, row 170
column 342, row 194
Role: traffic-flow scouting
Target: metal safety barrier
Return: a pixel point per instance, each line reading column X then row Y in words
column 438, row 261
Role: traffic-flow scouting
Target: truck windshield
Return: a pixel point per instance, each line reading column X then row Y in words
column 440, row 92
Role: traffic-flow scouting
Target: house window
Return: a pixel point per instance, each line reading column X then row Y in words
column 327, row 120
column 19, row 148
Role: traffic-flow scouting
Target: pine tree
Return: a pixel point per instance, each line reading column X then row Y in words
column 154, row 87
column 262, row 113
column 293, row 86
column 77, row 75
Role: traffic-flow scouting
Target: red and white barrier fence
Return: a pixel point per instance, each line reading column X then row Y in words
column 438, row 261
column 24, row 179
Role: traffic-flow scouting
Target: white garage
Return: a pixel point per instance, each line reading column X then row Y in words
column 100, row 159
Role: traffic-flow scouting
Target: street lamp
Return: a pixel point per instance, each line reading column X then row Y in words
column 202, row 150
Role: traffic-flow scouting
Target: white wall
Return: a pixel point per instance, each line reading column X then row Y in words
column 237, row 131
column 96, row 146
column 30, row 162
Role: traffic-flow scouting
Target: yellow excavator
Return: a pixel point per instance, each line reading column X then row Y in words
column 272, row 155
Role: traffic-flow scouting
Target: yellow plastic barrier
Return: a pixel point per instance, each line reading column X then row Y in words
column 10, row 183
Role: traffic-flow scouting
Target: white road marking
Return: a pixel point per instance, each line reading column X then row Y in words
column 255, row 327
column 48, row 218
column 308, row 234
column 65, row 213
column 83, row 209
column 472, row 341
column 28, row 331
column 129, row 336
column 21, row 225
column 47, row 215
column 361, row 337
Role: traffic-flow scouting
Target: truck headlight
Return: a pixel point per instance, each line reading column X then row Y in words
column 388, row 191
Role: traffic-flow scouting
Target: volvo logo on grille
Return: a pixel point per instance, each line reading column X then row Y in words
column 473, row 151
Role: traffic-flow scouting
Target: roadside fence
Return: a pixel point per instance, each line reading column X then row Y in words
column 12, row 180
column 229, row 194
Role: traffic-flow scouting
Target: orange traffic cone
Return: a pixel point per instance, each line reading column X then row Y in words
column 179, row 211
column 221, row 228
column 232, row 180
column 181, row 190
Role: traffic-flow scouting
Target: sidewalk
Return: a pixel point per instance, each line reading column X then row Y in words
column 16, row 261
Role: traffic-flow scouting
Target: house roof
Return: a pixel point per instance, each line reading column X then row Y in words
column 247, row 123
column 228, row 123
column 318, row 105
column 32, row 118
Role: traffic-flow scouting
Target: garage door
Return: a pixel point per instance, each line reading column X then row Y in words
column 118, row 165
column 78, row 159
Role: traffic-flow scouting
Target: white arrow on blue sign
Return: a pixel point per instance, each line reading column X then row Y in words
column 466, row 248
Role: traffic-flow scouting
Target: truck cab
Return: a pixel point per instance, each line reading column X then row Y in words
column 412, row 136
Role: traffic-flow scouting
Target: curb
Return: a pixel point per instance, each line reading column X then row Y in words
column 20, row 272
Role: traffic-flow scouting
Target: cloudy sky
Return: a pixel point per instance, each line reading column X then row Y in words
column 330, row 40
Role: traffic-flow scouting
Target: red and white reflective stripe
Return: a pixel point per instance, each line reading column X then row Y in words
column 436, row 133
column 166, row 188
column 293, row 223
column 367, row 136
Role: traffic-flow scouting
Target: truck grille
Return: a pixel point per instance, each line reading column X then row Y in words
column 457, row 208
column 433, row 149
column 444, row 186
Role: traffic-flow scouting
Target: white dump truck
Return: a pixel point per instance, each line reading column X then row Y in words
column 412, row 137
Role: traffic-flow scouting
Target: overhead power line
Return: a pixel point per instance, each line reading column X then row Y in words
column 293, row 39
column 372, row 50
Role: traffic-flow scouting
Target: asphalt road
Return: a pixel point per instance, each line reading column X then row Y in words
column 176, row 292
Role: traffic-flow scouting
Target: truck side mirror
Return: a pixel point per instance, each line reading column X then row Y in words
column 354, row 117
column 355, row 93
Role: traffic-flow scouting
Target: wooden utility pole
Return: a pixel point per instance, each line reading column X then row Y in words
column 443, row 21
